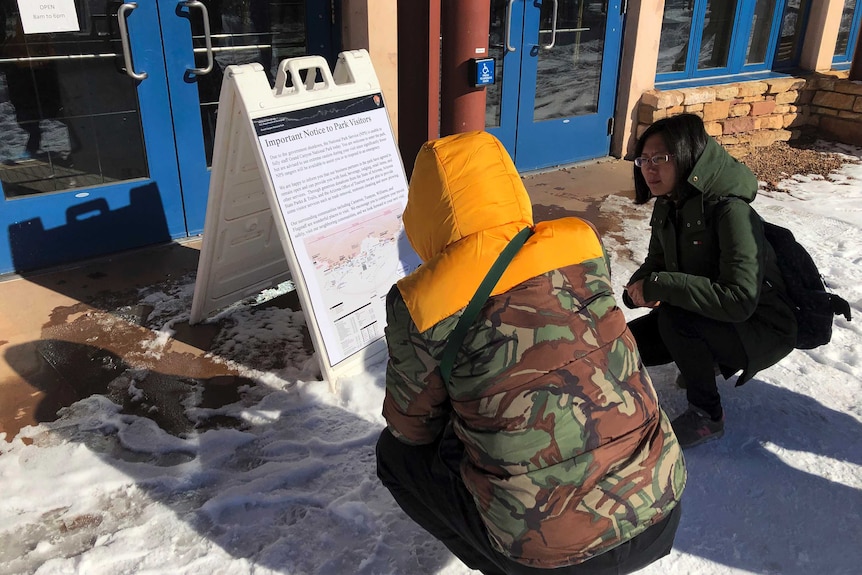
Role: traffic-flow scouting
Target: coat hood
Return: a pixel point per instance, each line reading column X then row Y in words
column 465, row 203
column 462, row 185
column 717, row 174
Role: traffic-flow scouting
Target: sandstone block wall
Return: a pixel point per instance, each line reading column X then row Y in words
column 746, row 115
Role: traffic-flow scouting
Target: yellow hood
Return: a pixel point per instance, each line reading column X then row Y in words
column 462, row 185
column 465, row 203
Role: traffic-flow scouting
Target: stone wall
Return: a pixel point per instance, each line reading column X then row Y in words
column 835, row 108
column 746, row 115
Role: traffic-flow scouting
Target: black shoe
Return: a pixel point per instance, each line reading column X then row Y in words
column 695, row 426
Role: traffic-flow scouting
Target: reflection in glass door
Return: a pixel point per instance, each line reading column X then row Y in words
column 242, row 32
column 556, row 65
column 58, row 133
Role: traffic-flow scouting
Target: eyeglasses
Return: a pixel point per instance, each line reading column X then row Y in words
column 655, row 160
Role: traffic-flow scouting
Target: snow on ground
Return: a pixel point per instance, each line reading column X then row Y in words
column 292, row 489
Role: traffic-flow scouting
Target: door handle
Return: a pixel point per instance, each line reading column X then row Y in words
column 207, row 38
column 509, row 46
column 124, row 38
column 553, row 27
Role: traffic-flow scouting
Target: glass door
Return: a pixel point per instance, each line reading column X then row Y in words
column 557, row 66
column 201, row 39
column 107, row 121
column 87, row 158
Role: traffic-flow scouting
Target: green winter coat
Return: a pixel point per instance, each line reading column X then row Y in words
column 708, row 255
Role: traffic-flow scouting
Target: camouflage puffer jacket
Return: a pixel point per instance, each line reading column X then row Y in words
column 568, row 453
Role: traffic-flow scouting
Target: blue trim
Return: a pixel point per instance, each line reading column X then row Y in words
column 772, row 45
column 739, row 34
column 187, row 128
column 671, row 76
column 726, row 79
column 854, row 32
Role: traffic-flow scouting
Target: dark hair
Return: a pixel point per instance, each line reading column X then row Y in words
column 685, row 138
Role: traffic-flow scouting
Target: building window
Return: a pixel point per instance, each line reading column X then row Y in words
column 848, row 32
column 711, row 38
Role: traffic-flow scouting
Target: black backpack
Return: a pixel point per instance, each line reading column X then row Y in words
column 813, row 305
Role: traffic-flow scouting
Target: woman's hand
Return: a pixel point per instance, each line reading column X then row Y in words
column 636, row 293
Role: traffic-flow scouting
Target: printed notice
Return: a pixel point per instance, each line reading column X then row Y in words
column 341, row 190
column 46, row 16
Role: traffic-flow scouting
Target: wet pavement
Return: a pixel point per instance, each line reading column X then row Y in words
column 69, row 333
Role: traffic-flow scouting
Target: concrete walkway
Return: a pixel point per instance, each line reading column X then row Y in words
column 66, row 334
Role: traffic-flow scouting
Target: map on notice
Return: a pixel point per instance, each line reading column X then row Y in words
column 357, row 257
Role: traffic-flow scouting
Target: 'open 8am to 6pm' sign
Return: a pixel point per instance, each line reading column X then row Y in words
column 47, row 16
column 307, row 183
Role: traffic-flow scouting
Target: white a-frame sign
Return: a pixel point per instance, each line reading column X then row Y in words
column 307, row 185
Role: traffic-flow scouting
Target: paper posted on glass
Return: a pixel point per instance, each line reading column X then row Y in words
column 47, row 16
column 307, row 184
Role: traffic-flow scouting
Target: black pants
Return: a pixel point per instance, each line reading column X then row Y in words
column 428, row 491
column 696, row 344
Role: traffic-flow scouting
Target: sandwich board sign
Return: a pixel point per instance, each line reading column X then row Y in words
column 307, row 185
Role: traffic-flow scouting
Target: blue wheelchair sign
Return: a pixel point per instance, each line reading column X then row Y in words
column 482, row 71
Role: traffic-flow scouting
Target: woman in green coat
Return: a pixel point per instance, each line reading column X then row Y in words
column 718, row 299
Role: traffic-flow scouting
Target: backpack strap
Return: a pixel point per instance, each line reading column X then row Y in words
column 478, row 300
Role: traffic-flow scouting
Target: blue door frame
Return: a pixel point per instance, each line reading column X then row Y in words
column 563, row 137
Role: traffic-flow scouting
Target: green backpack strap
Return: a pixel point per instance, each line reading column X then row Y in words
column 478, row 300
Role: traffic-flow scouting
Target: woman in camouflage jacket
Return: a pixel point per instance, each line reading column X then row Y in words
column 547, row 448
